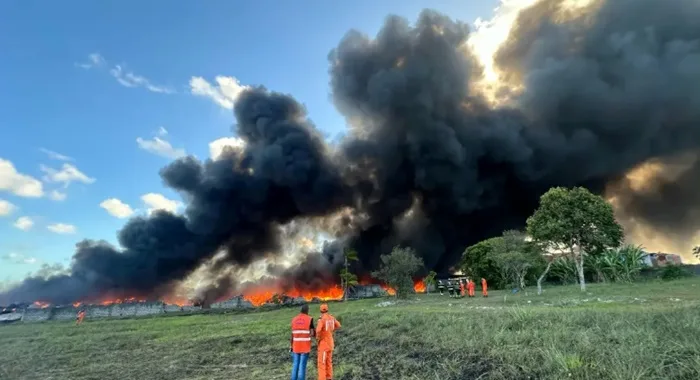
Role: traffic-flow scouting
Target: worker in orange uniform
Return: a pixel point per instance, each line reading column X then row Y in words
column 324, row 334
column 302, row 332
column 80, row 317
column 484, row 287
column 470, row 287
column 462, row 287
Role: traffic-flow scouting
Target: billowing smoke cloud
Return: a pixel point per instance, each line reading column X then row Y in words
column 658, row 204
column 236, row 204
column 621, row 76
column 587, row 93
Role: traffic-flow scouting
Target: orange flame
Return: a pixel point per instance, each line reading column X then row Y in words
column 108, row 302
column 175, row 300
column 260, row 295
column 42, row 305
column 170, row 300
column 368, row 281
column 419, row 286
column 391, row 291
column 257, row 295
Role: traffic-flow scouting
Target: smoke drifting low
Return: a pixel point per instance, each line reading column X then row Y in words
column 586, row 94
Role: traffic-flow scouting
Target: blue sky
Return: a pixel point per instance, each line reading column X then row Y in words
column 97, row 96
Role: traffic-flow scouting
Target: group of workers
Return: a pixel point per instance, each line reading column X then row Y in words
column 303, row 331
column 459, row 287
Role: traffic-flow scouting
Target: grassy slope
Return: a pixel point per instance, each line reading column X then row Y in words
column 638, row 331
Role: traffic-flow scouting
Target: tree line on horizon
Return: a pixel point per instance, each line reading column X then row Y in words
column 572, row 237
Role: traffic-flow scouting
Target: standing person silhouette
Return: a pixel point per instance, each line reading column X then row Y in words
column 300, row 348
column 327, row 325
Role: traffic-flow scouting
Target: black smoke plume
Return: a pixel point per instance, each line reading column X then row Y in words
column 587, row 94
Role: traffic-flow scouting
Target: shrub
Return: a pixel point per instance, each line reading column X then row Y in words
column 674, row 272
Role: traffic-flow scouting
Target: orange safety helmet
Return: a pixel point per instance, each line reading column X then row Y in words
column 324, row 308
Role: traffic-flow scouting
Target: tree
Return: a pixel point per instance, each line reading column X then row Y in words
column 347, row 278
column 397, row 270
column 543, row 275
column 516, row 257
column 696, row 252
column 478, row 261
column 575, row 221
column 429, row 280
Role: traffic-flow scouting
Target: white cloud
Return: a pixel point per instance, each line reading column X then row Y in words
column 117, row 208
column 62, row 228
column 162, row 132
column 225, row 93
column 56, row 195
column 216, row 147
column 6, row 208
column 68, row 173
column 94, row 60
column 19, row 258
column 160, row 147
column 56, row 156
column 129, row 79
column 24, row 223
column 17, row 183
column 123, row 77
column 156, row 201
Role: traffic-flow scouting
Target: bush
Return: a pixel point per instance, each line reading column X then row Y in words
column 563, row 270
column 621, row 264
column 674, row 272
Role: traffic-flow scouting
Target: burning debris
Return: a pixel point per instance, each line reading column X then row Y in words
column 132, row 307
column 433, row 161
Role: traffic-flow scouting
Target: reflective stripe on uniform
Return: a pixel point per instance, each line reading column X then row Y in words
column 307, row 332
column 301, row 339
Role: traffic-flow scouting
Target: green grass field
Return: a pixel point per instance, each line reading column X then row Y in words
column 637, row 331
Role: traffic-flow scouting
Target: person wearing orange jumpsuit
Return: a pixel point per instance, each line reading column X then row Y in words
column 484, row 287
column 462, row 288
column 470, row 287
column 325, row 328
column 80, row 317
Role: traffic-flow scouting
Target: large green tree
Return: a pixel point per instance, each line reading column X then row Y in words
column 696, row 251
column 397, row 270
column 574, row 221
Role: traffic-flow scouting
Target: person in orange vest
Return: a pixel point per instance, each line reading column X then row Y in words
column 470, row 287
column 327, row 324
column 462, row 287
column 484, row 287
column 302, row 332
column 79, row 318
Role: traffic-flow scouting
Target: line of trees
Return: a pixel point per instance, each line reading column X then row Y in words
column 572, row 236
